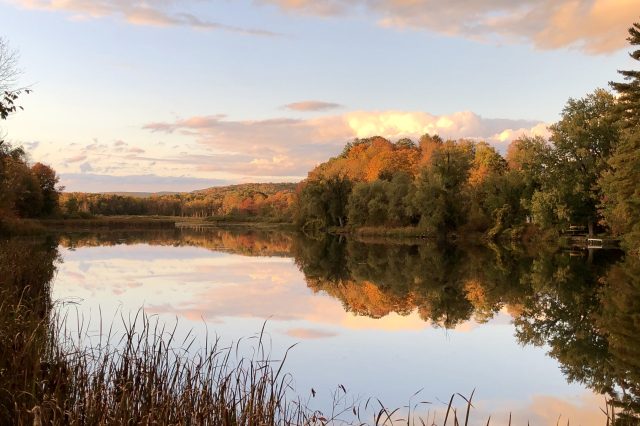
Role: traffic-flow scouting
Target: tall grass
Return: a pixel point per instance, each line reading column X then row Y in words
column 107, row 222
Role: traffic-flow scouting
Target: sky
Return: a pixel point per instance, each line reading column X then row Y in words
column 168, row 95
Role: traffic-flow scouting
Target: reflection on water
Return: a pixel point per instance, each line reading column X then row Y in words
column 537, row 333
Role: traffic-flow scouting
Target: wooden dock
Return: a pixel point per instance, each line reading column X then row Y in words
column 585, row 242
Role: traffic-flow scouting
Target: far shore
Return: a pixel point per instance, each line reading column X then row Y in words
column 525, row 235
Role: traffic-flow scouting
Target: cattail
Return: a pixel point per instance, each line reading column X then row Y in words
column 37, row 415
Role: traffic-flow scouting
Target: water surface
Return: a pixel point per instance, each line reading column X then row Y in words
column 526, row 330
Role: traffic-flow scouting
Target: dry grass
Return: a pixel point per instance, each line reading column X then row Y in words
column 111, row 222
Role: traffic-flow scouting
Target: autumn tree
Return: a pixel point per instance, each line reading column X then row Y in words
column 439, row 198
column 47, row 180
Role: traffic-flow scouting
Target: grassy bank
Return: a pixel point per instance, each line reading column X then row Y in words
column 119, row 222
column 12, row 226
column 26, row 227
column 524, row 234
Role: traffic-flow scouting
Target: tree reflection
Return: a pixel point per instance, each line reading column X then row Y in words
column 584, row 307
column 446, row 284
column 619, row 323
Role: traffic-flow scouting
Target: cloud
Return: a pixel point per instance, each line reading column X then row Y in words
column 464, row 124
column 86, row 167
column 293, row 146
column 90, row 182
column 309, row 333
column 310, row 106
column 593, row 26
column 314, row 7
column 157, row 13
column 76, row 158
column 202, row 151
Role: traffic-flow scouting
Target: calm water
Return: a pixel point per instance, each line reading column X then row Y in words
column 537, row 334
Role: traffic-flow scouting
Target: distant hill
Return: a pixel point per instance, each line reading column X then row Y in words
column 242, row 188
column 139, row 194
column 247, row 188
column 265, row 200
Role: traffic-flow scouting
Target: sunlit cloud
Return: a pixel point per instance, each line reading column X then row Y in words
column 311, row 106
column 92, row 182
column 76, row 158
column 285, row 136
column 158, row 13
column 583, row 409
column 593, row 26
column 309, row 333
column 214, row 149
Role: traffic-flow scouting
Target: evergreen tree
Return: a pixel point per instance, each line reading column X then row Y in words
column 629, row 90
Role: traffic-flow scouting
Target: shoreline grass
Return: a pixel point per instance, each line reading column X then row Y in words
column 120, row 222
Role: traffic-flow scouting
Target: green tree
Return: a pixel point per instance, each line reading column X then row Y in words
column 528, row 159
column 323, row 202
column 620, row 184
column 440, row 199
column 399, row 192
column 583, row 141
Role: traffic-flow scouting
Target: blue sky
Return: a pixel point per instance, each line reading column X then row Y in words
column 180, row 95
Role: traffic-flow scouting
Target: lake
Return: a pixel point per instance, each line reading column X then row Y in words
column 538, row 333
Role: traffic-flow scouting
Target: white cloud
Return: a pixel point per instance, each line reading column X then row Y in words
column 91, row 182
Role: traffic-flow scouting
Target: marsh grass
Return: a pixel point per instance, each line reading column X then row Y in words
column 111, row 222
column 14, row 226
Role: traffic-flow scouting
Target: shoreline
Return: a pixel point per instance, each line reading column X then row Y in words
column 526, row 235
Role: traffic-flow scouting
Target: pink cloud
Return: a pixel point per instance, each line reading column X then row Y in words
column 308, row 333
column 593, row 26
column 311, row 106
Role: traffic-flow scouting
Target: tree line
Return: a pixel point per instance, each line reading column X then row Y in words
column 586, row 175
column 272, row 201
